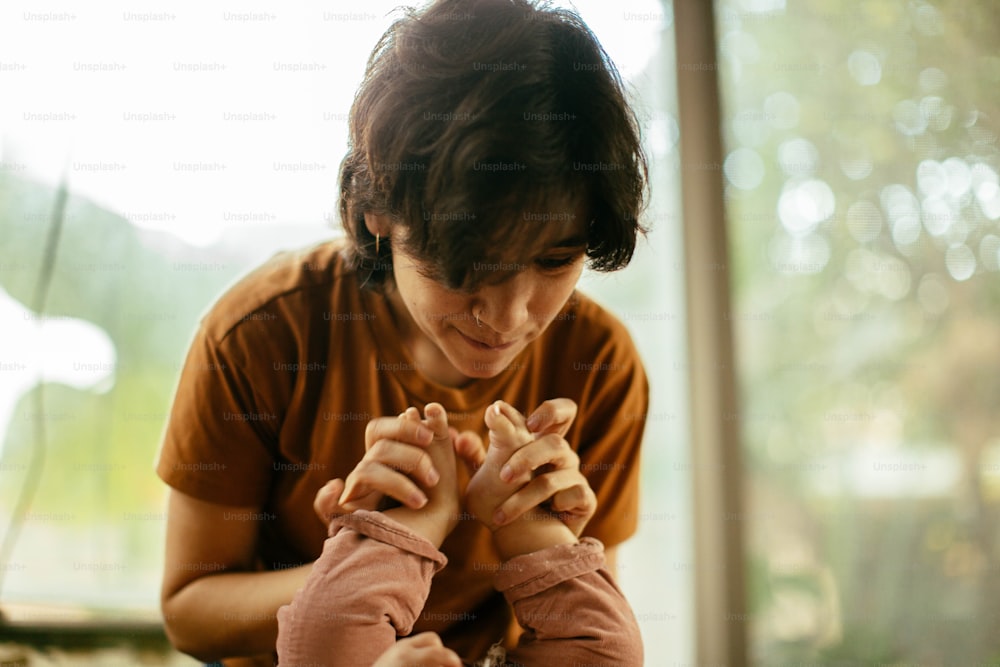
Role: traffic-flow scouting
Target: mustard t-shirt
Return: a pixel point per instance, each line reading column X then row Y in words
column 288, row 367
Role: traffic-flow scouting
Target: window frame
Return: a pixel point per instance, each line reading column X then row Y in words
column 716, row 456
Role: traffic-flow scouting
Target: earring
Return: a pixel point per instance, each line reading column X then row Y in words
column 478, row 323
column 377, row 239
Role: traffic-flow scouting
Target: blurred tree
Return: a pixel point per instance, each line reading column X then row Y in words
column 864, row 207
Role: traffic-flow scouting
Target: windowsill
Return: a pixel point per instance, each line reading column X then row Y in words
column 78, row 628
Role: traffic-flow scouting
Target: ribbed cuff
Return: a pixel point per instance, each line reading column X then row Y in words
column 378, row 526
column 530, row 574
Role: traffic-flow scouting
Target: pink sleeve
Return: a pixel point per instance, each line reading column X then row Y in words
column 571, row 609
column 368, row 587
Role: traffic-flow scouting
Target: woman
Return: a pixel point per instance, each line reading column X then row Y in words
column 492, row 155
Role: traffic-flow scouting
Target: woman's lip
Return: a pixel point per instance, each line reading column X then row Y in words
column 480, row 345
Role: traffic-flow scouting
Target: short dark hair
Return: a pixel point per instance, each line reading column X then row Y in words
column 473, row 113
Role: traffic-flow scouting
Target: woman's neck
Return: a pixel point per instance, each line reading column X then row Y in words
column 427, row 357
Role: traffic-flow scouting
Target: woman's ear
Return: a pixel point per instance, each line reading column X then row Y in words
column 379, row 224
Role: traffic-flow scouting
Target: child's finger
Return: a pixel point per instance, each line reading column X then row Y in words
column 511, row 413
column 437, row 420
column 506, row 425
column 469, row 448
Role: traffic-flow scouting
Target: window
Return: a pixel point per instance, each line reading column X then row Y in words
column 193, row 142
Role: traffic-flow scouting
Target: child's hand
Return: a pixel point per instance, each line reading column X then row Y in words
column 486, row 491
column 439, row 516
column 445, row 493
column 424, row 649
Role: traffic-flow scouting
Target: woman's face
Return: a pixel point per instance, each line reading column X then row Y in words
column 439, row 324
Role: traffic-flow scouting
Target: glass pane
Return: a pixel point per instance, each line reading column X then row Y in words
column 655, row 566
column 187, row 162
column 861, row 181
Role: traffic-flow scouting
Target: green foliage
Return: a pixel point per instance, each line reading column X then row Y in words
column 101, row 442
column 870, row 345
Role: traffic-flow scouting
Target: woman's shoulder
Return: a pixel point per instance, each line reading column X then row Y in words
column 291, row 280
column 584, row 325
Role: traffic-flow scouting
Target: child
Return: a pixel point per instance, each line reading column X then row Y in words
column 371, row 582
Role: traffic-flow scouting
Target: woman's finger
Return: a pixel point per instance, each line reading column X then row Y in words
column 550, row 450
column 325, row 504
column 574, row 506
column 555, row 415
column 402, row 429
column 408, row 459
column 373, row 477
column 538, row 491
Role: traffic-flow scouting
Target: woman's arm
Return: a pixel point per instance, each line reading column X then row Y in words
column 214, row 606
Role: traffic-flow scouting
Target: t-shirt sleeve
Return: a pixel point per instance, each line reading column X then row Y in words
column 222, row 433
column 611, row 431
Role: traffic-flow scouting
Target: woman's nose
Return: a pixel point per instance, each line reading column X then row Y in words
column 504, row 307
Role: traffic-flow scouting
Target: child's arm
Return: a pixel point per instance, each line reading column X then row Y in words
column 373, row 577
column 570, row 608
column 367, row 587
column 569, row 605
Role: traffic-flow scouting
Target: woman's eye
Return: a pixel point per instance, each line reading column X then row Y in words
column 551, row 263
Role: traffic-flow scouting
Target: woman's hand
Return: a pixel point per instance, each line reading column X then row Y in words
column 486, row 492
column 396, row 455
column 439, row 516
column 424, row 649
column 373, row 480
column 548, row 468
